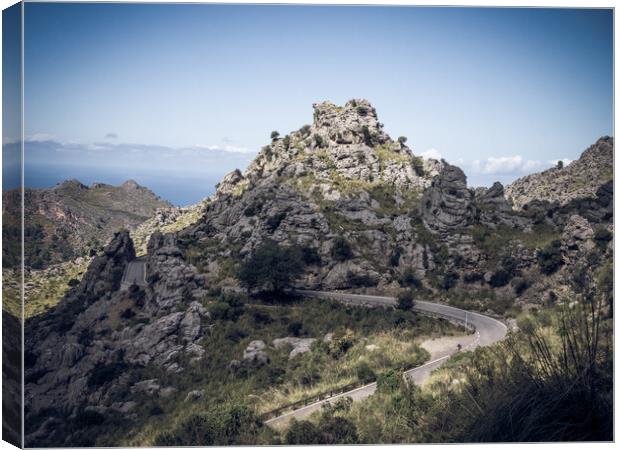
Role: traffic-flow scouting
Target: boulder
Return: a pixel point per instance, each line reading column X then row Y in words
column 254, row 352
column 299, row 345
column 194, row 395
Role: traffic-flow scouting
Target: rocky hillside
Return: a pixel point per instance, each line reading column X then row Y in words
column 341, row 177
column 361, row 211
column 374, row 215
column 84, row 356
column 166, row 220
column 580, row 178
column 70, row 219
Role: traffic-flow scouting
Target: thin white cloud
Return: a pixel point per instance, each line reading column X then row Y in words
column 225, row 148
column 431, row 153
column 504, row 165
column 40, row 137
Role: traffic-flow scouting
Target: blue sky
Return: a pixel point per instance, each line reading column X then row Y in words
column 500, row 92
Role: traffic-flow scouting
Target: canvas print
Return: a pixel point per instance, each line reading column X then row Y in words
column 229, row 224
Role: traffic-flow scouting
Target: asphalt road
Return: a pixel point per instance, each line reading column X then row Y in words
column 488, row 331
column 135, row 273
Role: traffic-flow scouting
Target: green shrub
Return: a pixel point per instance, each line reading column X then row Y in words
column 295, row 328
column 500, row 278
column 367, row 135
column 303, row 433
column 521, row 285
column 410, row 279
column 271, row 268
column 273, row 222
column 310, row 256
column 402, row 140
column 337, row 430
column 341, row 343
column 550, row 258
column 418, row 166
column 405, row 300
column 275, row 135
column 601, row 237
column 229, row 425
column 364, row 373
column 389, row 381
column 341, row 250
column 318, row 140
column 473, row 277
column 305, row 130
column 230, row 307
column 250, row 210
column 395, row 257
column 449, row 280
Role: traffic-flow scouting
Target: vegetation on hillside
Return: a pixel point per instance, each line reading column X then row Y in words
column 363, row 341
column 525, row 389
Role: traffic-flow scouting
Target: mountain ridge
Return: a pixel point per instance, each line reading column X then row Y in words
column 70, row 219
column 365, row 214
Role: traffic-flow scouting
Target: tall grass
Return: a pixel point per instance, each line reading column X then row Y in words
column 549, row 381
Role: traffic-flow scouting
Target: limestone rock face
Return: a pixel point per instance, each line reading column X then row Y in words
column 355, row 123
column 494, row 197
column 447, row 203
column 82, row 353
column 172, row 280
column 577, row 235
column 106, row 271
column 229, row 182
column 580, row 178
column 493, row 210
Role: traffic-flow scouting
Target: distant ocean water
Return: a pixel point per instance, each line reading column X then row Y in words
column 178, row 188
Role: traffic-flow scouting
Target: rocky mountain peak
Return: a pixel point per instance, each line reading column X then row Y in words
column 130, row 184
column 354, row 123
column 70, row 184
column 343, row 143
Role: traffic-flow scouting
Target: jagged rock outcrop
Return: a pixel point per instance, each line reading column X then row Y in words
column 577, row 235
column 166, row 220
column 172, row 280
column 447, row 203
column 82, row 354
column 493, row 210
column 581, row 178
column 342, row 176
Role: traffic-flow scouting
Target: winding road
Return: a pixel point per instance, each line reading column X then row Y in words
column 488, row 331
